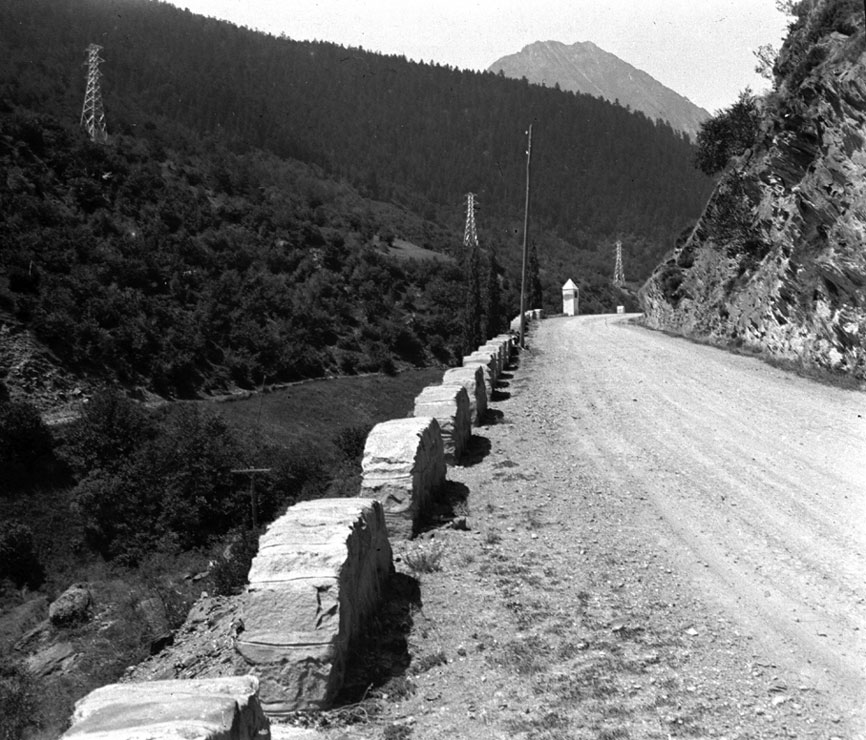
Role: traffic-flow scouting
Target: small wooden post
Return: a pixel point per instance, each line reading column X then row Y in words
column 254, row 506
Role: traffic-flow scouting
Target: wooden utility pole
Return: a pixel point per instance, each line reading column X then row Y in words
column 254, row 505
column 525, row 237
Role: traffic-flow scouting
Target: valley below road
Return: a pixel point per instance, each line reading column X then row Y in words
column 666, row 540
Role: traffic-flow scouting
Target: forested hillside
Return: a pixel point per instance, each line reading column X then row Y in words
column 229, row 231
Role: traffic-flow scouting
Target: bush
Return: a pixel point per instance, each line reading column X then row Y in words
column 25, row 444
column 106, row 435
column 19, row 562
column 172, row 488
column 351, row 440
column 232, row 569
column 18, row 705
column 727, row 134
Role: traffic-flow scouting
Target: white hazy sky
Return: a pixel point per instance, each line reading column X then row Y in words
column 700, row 48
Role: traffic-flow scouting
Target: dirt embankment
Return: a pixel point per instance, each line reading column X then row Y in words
column 666, row 541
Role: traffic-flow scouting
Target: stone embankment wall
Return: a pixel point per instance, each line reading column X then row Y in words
column 316, row 582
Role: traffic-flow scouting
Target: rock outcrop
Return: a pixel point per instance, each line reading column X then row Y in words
column 403, row 468
column 777, row 261
column 315, row 583
column 204, row 709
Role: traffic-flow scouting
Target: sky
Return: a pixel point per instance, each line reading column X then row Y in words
column 701, row 49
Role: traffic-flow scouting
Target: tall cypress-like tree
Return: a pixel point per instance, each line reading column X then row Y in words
column 493, row 323
column 472, row 305
column 535, row 294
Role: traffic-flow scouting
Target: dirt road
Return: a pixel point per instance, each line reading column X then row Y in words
column 754, row 480
column 667, row 540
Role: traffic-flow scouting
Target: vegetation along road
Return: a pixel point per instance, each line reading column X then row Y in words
column 667, row 540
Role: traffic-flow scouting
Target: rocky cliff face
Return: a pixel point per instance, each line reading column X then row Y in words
column 585, row 68
column 777, row 261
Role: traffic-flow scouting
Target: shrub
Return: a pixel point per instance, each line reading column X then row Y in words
column 19, row 562
column 107, row 434
column 351, row 440
column 173, row 489
column 232, row 569
column 18, row 705
column 25, row 444
column 727, row 134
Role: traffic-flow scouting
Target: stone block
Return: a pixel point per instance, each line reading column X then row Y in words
column 472, row 379
column 508, row 342
column 488, row 358
column 449, row 405
column 484, row 364
column 315, row 583
column 403, row 467
column 501, row 348
column 197, row 709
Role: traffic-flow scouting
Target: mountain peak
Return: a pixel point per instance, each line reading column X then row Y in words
column 585, row 67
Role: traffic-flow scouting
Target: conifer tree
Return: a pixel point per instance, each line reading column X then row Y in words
column 472, row 306
column 535, row 294
column 493, row 299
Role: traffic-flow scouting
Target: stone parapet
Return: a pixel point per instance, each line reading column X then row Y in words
column 197, row 709
column 403, row 467
column 472, row 379
column 317, row 579
column 449, row 405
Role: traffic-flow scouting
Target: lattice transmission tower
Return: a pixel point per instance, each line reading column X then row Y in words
column 470, row 236
column 93, row 114
column 618, row 274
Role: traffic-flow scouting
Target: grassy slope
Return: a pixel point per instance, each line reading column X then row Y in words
column 314, row 411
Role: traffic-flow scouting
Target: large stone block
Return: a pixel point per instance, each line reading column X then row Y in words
column 488, row 358
column 472, row 379
column 501, row 348
column 317, row 579
column 484, row 364
column 197, row 709
column 449, row 405
column 403, row 468
column 507, row 341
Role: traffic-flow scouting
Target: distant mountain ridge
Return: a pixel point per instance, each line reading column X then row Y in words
column 586, row 68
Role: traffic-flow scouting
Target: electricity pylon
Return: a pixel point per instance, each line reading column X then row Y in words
column 470, row 236
column 93, row 114
column 618, row 275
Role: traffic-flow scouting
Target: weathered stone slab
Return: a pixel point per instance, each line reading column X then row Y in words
column 501, row 348
column 484, row 364
column 488, row 358
column 317, row 579
column 197, row 709
column 403, row 467
column 508, row 341
column 488, row 350
column 472, row 379
column 449, row 405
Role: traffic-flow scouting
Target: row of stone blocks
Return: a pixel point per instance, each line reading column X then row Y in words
column 317, row 580
column 533, row 314
column 314, row 585
column 405, row 460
